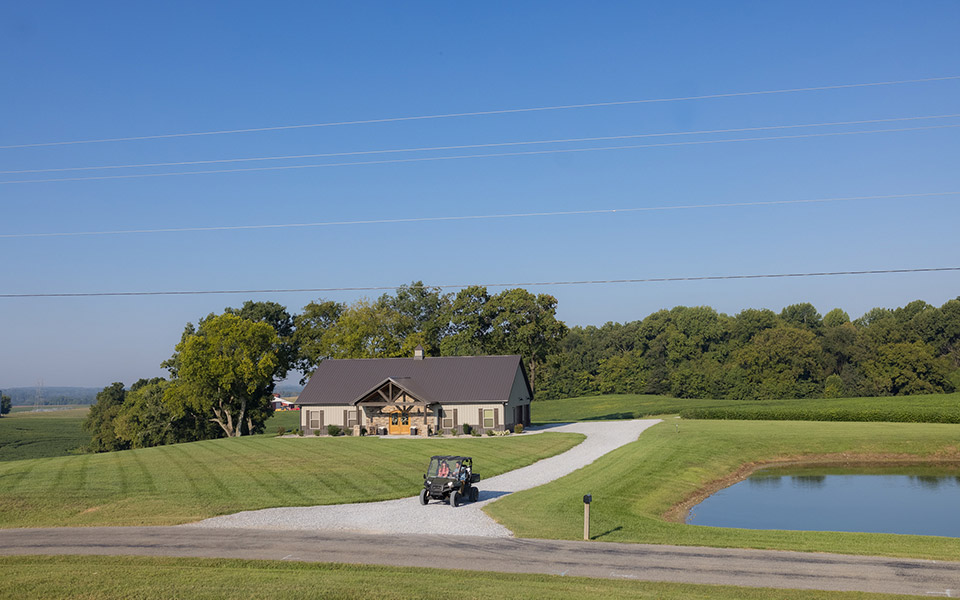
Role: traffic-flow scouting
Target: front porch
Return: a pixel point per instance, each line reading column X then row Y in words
column 393, row 409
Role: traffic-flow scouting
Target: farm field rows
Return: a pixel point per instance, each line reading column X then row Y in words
column 931, row 408
column 186, row 482
column 635, row 486
column 107, row 577
column 25, row 434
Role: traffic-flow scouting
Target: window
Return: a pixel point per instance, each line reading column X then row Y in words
column 352, row 418
column 447, row 419
column 488, row 418
column 316, row 419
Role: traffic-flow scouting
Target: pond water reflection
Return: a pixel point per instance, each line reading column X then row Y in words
column 911, row 500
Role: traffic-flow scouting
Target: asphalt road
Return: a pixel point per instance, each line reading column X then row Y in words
column 756, row 568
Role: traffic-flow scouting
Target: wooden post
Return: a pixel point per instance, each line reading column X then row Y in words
column 586, row 516
column 586, row 522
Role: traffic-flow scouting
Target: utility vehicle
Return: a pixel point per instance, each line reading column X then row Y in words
column 449, row 479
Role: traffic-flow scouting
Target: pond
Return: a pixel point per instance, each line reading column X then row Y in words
column 910, row 500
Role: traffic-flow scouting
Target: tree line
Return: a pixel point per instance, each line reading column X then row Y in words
column 224, row 369
column 697, row 352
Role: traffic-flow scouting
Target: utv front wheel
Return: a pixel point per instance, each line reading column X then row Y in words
column 424, row 498
column 474, row 494
column 455, row 499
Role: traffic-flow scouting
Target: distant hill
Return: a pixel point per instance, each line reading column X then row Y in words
column 287, row 389
column 83, row 395
column 52, row 395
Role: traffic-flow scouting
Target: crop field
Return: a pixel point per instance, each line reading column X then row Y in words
column 186, row 482
column 932, row 408
column 26, row 434
column 123, row 577
column 638, row 488
column 612, row 407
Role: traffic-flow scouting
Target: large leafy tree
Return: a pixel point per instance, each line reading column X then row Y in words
column 225, row 370
column 419, row 310
column 784, row 362
column 312, row 324
column 526, row 324
column 366, row 330
column 906, row 368
column 470, row 323
column 5, row 404
column 100, row 419
column 276, row 316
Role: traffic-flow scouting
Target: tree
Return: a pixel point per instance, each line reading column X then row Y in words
column 526, row 324
column 907, row 368
column 749, row 322
column 835, row 318
column 5, row 404
column 784, row 362
column 144, row 419
column 470, row 319
column 224, row 371
column 100, row 420
column 419, row 309
column 802, row 316
column 311, row 325
column 367, row 330
column 276, row 316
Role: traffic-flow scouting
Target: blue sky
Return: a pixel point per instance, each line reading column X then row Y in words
column 102, row 70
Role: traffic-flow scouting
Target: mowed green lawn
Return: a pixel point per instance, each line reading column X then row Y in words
column 931, row 408
column 26, row 434
column 186, row 482
column 635, row 485
column 123, row 577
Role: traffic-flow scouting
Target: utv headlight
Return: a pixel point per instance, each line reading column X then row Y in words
column 429, row 482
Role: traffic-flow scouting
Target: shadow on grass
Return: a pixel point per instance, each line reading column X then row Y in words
column 620, row 416
column 608, row 532
column 544, row 425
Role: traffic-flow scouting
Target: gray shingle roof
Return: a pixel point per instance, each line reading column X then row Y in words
column 446, row 379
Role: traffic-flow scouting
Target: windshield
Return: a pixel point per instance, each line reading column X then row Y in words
column 443, row 467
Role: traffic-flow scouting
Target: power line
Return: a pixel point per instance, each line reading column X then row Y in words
column 484, row 113
column 478, row 217
column 489, row 285
column 467, row 156
column 470, row 146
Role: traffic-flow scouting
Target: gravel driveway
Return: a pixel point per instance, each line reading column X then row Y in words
column 406, row 515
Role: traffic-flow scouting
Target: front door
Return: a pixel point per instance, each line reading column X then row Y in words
column 400, row 423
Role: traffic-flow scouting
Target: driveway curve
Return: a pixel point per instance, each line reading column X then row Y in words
column 407, row 516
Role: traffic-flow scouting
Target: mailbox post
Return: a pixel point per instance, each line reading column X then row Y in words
column 587, row 499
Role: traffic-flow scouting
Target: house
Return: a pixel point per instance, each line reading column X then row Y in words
column 279, row 403
column 417, row 396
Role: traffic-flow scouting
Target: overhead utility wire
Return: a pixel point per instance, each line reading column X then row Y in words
column 460, row 285
column 476, row 217
column 490, row 145
column 466, row 156
column 484, row 112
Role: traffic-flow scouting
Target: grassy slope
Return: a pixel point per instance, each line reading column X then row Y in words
column 925, row 408
column 25, row 434
column 186, row 482
column 635, row 485
column 98, row 577
column 36, row 435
